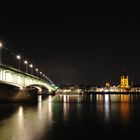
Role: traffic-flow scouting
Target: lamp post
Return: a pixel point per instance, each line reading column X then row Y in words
column 26, row 63
column 36, row 71
column 40, row 73
column 18, row 57
column 31, row 66
column 43, row 76
column 1, row 53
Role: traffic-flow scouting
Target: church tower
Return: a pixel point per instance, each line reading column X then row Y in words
column 124, row 82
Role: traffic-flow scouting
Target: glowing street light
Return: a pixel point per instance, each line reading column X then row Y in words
column 18, row 57
column 1, row 45
column 40, row 73
column 31, row 66
column 36, row 71
column 26, row 63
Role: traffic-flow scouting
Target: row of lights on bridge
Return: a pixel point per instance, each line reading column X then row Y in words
column 30, row 65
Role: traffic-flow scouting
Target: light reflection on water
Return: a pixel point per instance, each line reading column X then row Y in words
column 107, row 107
column 37, row 121
column 28, row 122
column 114, row 106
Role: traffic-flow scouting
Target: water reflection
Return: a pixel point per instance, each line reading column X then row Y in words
column 49, row 112
column 20, row 116
column 39, row 98
column 70, row 98
column 65, row 98
column 113, row 106
column 39, row 121
column 125, row 107
column 91, row 97
column 27, row 123
column 65, row 111
column 107, row 107
column 99, row 98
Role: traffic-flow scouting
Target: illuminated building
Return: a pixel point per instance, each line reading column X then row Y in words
column 124, row 82
column 107, row 84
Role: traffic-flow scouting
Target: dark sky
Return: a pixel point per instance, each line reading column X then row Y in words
column 73, row 44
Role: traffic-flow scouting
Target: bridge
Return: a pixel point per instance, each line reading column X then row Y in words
column 23, row 79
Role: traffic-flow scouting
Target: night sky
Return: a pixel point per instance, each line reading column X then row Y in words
column 73, row 45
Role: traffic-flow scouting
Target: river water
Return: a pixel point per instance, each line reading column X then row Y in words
column 71, row 117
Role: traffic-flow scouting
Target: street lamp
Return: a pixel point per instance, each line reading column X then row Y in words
column 40, row 73
column 31, row 66
column 26, row 62
column 18, row 57
column 1, row 45
column 36, row 71
column 43, row 75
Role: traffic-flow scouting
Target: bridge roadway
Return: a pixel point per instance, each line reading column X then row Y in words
column 22, row 79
